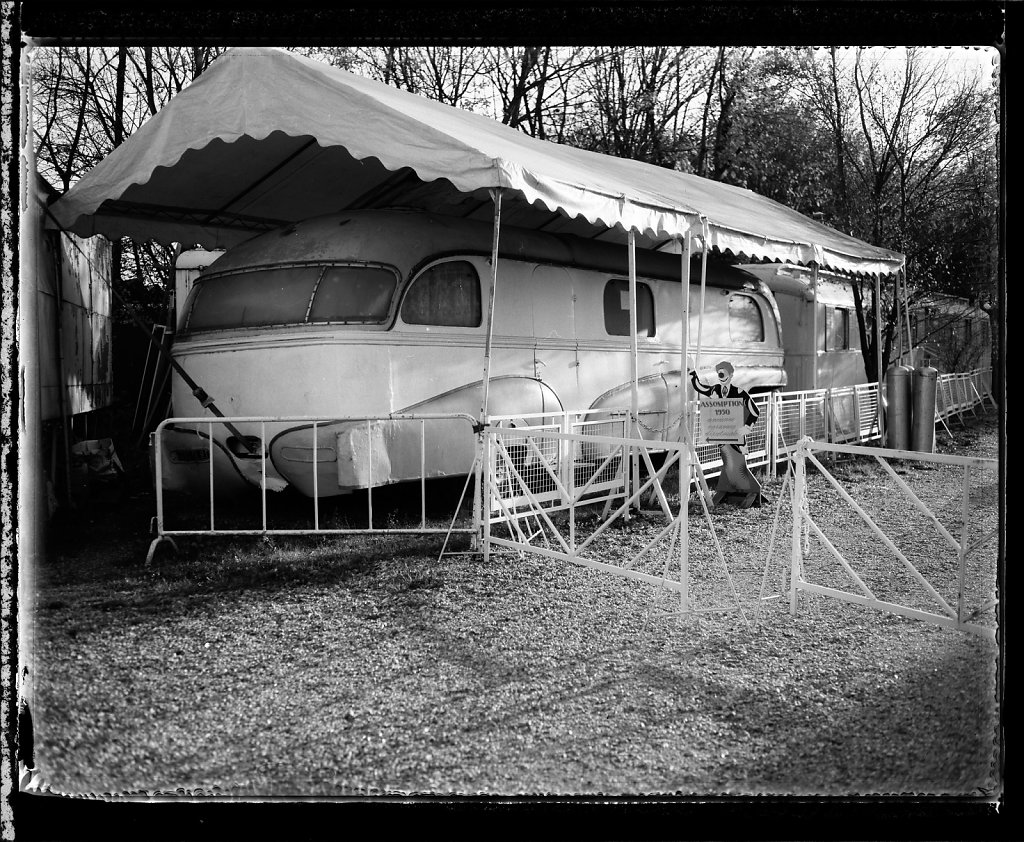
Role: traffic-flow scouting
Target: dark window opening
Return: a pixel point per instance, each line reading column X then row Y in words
column 292, row 295
column 353, row 294
column 447, row 294
column 616, row 309
column 745, row 321
column 837, row 331
column 271, row 296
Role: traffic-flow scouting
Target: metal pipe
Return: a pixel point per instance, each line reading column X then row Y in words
column 369, row 489
column 423, row 473
column 906, row 315
column 705, row 233
column 634, row 362
column 814, row 326
column 965, row 514
column 878, row 353
column 263, row 471
column 316, row 475
column 796, row 560
column 685, row 468
column 209, row 436
column 496, row 194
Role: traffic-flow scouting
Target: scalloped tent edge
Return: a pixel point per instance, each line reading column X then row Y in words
column 266, row 137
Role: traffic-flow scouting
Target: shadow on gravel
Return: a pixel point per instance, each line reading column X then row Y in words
column 96, row 551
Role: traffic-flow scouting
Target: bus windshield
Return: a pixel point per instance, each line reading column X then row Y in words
column 345, row 294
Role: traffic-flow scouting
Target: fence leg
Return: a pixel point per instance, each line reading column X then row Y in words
column 482, row 497
column 966, row 515
column 796, row 562
column 151, row 553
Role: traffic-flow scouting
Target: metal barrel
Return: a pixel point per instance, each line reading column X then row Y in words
column 898, row 407
column 922, row 435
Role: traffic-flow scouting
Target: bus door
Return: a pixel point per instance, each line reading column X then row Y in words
column 554, row 328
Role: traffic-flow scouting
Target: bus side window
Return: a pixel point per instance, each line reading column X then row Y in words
column 353, row 294
column 446, row 294
column 616, row 309
column 837, row 334
column 745, row 321
column 275, row 296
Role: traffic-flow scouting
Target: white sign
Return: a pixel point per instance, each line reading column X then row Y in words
column 721, row 421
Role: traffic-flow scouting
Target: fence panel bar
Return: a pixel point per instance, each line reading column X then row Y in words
column 209, row 433
column 423, row 473
column 316, row 476
column 263, row 472
column 965, row 513
column 369, row 489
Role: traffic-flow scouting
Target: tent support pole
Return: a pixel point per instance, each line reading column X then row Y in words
column 705, row 234
column 634, row 362
column 684, row 429
column 901, row 310
column 878, row 353
column 814, row 326
column 898, row 304
column 489, row 341
column 480, row 501
column 906, row 316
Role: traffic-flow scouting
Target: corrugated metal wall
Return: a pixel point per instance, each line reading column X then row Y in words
column 75, row 325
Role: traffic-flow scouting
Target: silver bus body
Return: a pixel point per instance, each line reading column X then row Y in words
column 376, row 313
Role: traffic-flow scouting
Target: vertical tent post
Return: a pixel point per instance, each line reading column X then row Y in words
column 906, row 316
column 900, row 306
column 634, row 399
column 878, row 353
column 684, row 430
column 814, row 326
column 482, row 500
column 488, row 342
column 705, row 233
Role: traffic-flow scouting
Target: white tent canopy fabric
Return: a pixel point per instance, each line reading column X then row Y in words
column 266, row 137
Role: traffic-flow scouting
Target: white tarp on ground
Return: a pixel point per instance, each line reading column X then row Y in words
column 265, row 137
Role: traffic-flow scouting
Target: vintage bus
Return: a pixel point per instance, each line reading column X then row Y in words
column 826, row 358
column 383, row 312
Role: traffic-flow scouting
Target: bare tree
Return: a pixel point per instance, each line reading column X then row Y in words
column 640, row 100
column 912, row 142
column 92, row 99
column 539, row 90
column 452, row 75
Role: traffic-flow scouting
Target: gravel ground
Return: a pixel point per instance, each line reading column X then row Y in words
column 249, row 668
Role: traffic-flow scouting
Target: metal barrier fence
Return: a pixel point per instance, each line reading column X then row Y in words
column 532, row 456
column 950, row 583
column 361, row 453
column 521, row 514
column 960, row 392
column 842, row 415
column 846, row 414
column 540, row 472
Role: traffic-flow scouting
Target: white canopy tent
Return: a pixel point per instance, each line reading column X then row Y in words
column 265, row 137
